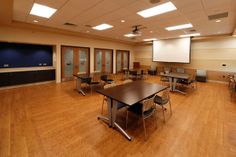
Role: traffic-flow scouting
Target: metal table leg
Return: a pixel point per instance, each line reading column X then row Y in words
column 116, row 125
column 112, row 108
column 108, row 119
column 174, row 87
column 78, row 84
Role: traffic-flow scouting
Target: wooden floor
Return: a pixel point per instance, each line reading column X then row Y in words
column 54, row 120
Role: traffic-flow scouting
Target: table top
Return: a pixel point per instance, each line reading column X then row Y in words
column 176, row 75
column 81, row 76
column 133, row 92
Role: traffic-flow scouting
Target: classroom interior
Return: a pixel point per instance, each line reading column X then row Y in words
column 47, row 107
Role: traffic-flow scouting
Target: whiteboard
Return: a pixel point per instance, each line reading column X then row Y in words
column 172, row 50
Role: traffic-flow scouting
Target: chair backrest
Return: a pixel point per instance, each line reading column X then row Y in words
column 127, row 81
column 166, row 94
column 87, row 80
column 104, row 77
column 79, row 73
column 153, row 67
column 148, row 104
column 136, row 65
column 201, row 72
column 167, row 70
column 109, row 85
column 180, row 70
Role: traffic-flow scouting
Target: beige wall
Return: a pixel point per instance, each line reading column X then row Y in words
column 208, row 54
column 11, row 34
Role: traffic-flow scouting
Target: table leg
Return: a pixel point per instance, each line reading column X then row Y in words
column 116, row 125
column 174, row 87
column 109, row 118
column 78, row 84
column 171, row 84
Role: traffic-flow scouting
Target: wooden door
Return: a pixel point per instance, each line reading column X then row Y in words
column 122, row 60
column 103, row 61
column 74, row 60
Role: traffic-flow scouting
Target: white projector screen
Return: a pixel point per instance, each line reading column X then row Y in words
column 172, row 50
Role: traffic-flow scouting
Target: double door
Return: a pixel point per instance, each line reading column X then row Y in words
column 103, row 60
column 122, row 60
column 74, row 60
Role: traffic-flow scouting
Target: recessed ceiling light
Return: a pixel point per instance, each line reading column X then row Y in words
column 42, row 10
column 184, row 26
column 122, row 21
column 102, row 26
column 218, row 20
column 151, row 39
column 190, row 35
column 130, row 35
column 35, row 21
column 151, row 31
column 157, row 10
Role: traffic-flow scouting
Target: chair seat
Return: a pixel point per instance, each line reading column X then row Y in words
column 137, row 109
column 159, row 100
column 120, row 105
column 109, row 80
column 94, row 83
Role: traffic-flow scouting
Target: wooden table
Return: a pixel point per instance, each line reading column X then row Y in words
column 129, row 94
column 173, row 77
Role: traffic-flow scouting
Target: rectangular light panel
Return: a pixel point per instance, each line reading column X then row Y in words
column 130, row 35
column 157, row 10
column 151, row 39
column 190, row 35
column 42, row 10
column 102, row 26
column 184, row 26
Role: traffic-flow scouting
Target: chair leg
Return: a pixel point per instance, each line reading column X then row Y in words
column 144, row 127
column 163, row 112
column 156, row 118
column 102, row 106
column 126, row 121
column 170, row 108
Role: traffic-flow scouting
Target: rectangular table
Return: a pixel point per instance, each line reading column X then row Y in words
column 128, row 94
column 173, row 77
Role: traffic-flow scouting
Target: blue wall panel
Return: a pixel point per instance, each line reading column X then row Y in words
column 24, row 55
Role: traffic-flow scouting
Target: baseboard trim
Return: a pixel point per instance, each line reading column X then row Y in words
column 214, row 81
column 25, row 85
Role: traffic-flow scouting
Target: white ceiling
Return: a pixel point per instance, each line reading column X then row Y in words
column 94, row 12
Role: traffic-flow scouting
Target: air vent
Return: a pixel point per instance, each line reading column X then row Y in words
column 69, row 24
column 192, row 30
column 218, row 16
column 88, row 26
column 154, row 1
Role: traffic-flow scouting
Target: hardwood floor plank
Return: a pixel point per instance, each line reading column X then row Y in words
column 54, row 120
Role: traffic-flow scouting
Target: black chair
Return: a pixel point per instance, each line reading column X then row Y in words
column 145, row 109
column 163, row 100
column 105, row 79
column 91, row 83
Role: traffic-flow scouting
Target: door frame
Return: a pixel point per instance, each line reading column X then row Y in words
column 103, row 49
column 77, row 48
column 122, row 58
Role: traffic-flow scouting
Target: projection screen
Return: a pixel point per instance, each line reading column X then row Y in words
column 172, row 50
